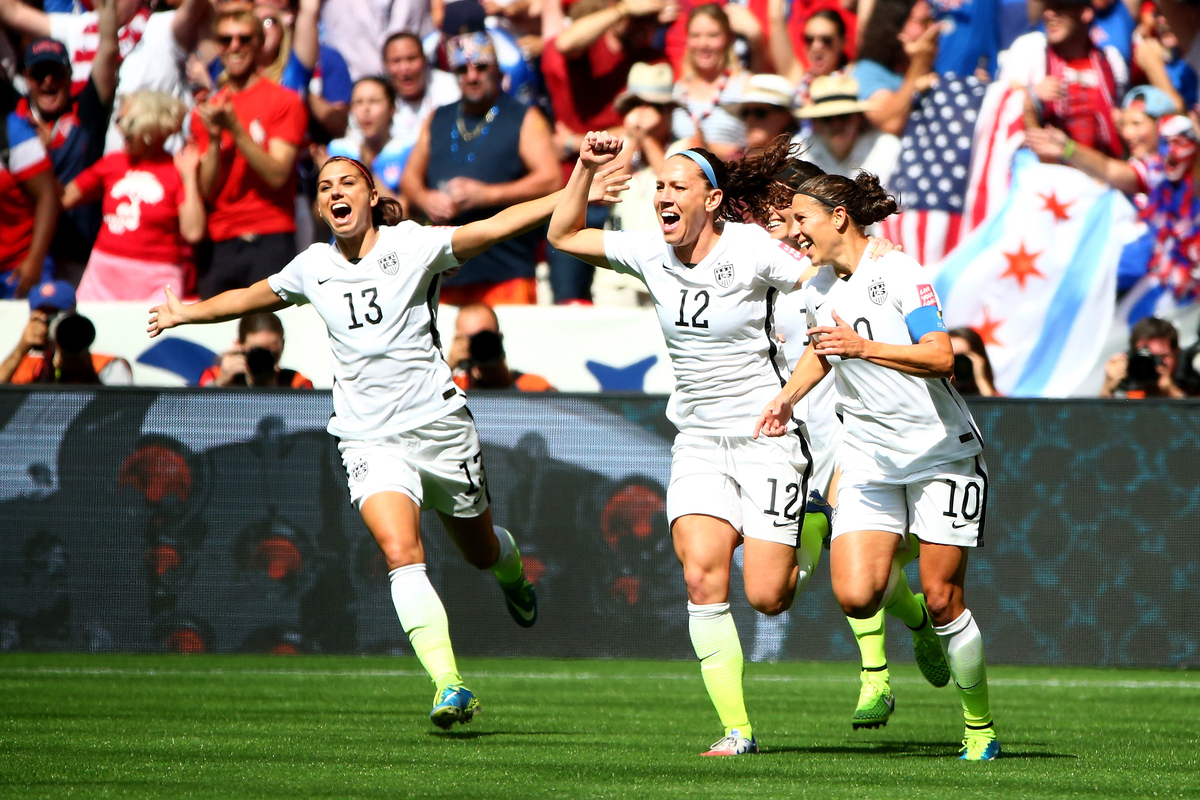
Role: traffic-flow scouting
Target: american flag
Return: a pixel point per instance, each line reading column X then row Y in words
column 935, row 167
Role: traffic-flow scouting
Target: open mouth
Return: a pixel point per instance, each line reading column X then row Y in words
column 670, row 221
column 340, row 211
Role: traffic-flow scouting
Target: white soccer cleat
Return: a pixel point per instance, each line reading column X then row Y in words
column 733, row 745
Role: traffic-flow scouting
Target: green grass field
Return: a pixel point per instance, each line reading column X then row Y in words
column 241, row 726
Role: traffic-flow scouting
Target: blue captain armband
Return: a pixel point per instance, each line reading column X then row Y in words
column 923, row 320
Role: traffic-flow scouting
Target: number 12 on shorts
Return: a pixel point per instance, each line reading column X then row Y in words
column 793, row 496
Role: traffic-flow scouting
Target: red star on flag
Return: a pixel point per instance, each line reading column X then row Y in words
column 1056, row 207
column 987, row 329
column 1021, row 266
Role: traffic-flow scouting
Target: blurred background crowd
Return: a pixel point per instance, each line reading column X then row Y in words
column 176, row 142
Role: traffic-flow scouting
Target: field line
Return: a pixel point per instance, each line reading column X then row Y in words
column 850, row 677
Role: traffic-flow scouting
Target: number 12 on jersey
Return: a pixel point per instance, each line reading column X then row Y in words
column 699, row 303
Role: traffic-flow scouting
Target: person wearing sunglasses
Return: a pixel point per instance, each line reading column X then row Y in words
column 248, row 134
column 822, row 48
column 765, row 108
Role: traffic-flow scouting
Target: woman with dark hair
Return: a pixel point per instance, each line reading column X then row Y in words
column 818, row 409
column 900, row 44
column 824, row 50
column 712, row 78
column 911, row 455
column 406, row 437
column 978, row 379
column 714, row 281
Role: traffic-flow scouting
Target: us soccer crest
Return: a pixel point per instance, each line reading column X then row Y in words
column 877, row 291
column 389, row 263
column 724, row 275
column 358, row 471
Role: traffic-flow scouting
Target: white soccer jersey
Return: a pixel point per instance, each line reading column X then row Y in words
column 389, row 373
column 716, row 318
column 895, row 424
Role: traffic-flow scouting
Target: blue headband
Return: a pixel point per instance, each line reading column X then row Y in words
column 704, row 165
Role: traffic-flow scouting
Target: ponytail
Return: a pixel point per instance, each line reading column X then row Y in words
column 864, row 199
column 747, row 183
column 387, row 211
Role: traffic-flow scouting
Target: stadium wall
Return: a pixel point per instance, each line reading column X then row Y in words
column 179, row 520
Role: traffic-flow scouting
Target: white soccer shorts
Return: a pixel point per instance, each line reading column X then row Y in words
column 759, row 486
column 439, row 465
column 943, row 505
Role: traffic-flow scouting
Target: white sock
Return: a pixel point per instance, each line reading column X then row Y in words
column 423, row 618
column 963, row 644
column 507, row 568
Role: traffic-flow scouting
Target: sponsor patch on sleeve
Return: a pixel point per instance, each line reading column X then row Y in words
column 791, row 251
column 926, row 295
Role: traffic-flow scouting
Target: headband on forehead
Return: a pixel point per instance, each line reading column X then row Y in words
column 704, row 165
column 361, row 168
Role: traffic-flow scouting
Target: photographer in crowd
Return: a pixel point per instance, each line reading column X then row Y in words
column 1148, row 369
column 254, row 358
column 54, row 328
column 477, row 354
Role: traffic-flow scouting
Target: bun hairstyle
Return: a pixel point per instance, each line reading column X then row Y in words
column 864, row 199
column 386, row 211
column 748, row 183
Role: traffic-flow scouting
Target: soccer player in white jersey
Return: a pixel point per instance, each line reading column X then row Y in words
column 714, row 282
column 818, row 409
column 911, row 454
column 406, row 438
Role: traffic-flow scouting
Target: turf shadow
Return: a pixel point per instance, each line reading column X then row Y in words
column 912, row 749
column 481, row 734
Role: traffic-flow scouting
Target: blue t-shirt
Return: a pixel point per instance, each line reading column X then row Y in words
column 1183, row 78
column 388, row 166
column 873, row 76
column 1115, row 26
column 970, row 36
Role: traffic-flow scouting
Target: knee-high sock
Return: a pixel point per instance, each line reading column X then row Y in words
column 963, row 645
column 904, row 604
column 507, row 568
column 808, row 549
column 423, row 618
column 871, row 641
column 715, row 638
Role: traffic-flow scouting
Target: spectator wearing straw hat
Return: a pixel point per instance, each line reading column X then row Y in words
column 842, row 140
column 766, row 108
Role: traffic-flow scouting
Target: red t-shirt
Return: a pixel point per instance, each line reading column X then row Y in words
column 246, row 204
column 26, row 159
column 582, row 89
column 140, row 201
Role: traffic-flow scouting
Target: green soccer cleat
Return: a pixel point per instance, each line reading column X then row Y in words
column 980, row 745
column 931, row 660
column 875, row 700
column 453, row 704
column 521, row 599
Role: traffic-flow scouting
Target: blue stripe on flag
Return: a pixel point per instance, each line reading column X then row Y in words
column 986, row 238
column 1072, row 292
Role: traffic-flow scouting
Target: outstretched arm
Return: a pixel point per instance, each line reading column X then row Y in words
column 473, row 238
column 568, row 231
column 225, row 306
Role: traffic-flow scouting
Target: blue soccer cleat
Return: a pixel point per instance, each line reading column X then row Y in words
column 453, row 704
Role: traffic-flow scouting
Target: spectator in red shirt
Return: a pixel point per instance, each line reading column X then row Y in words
column 151, row 205
column 254, row 358
column 249, row 134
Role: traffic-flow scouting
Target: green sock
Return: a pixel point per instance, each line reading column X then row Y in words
column 715, row 638
column 904, row 605
column 871, row 640
column 423, row 618
column 963, row 645
column 808, row 552
column 507, row 568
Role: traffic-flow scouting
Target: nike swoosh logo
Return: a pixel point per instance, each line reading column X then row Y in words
column 956, row 526
column 789, row 523
column 327, row 280
column 524, row 614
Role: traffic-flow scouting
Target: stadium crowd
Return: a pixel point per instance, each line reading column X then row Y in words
column 176, row 142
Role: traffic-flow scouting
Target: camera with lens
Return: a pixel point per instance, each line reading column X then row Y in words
column 964, row 375
column 1141, row 373
column 485, row 349
column 74, row 333
column 260, row 362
